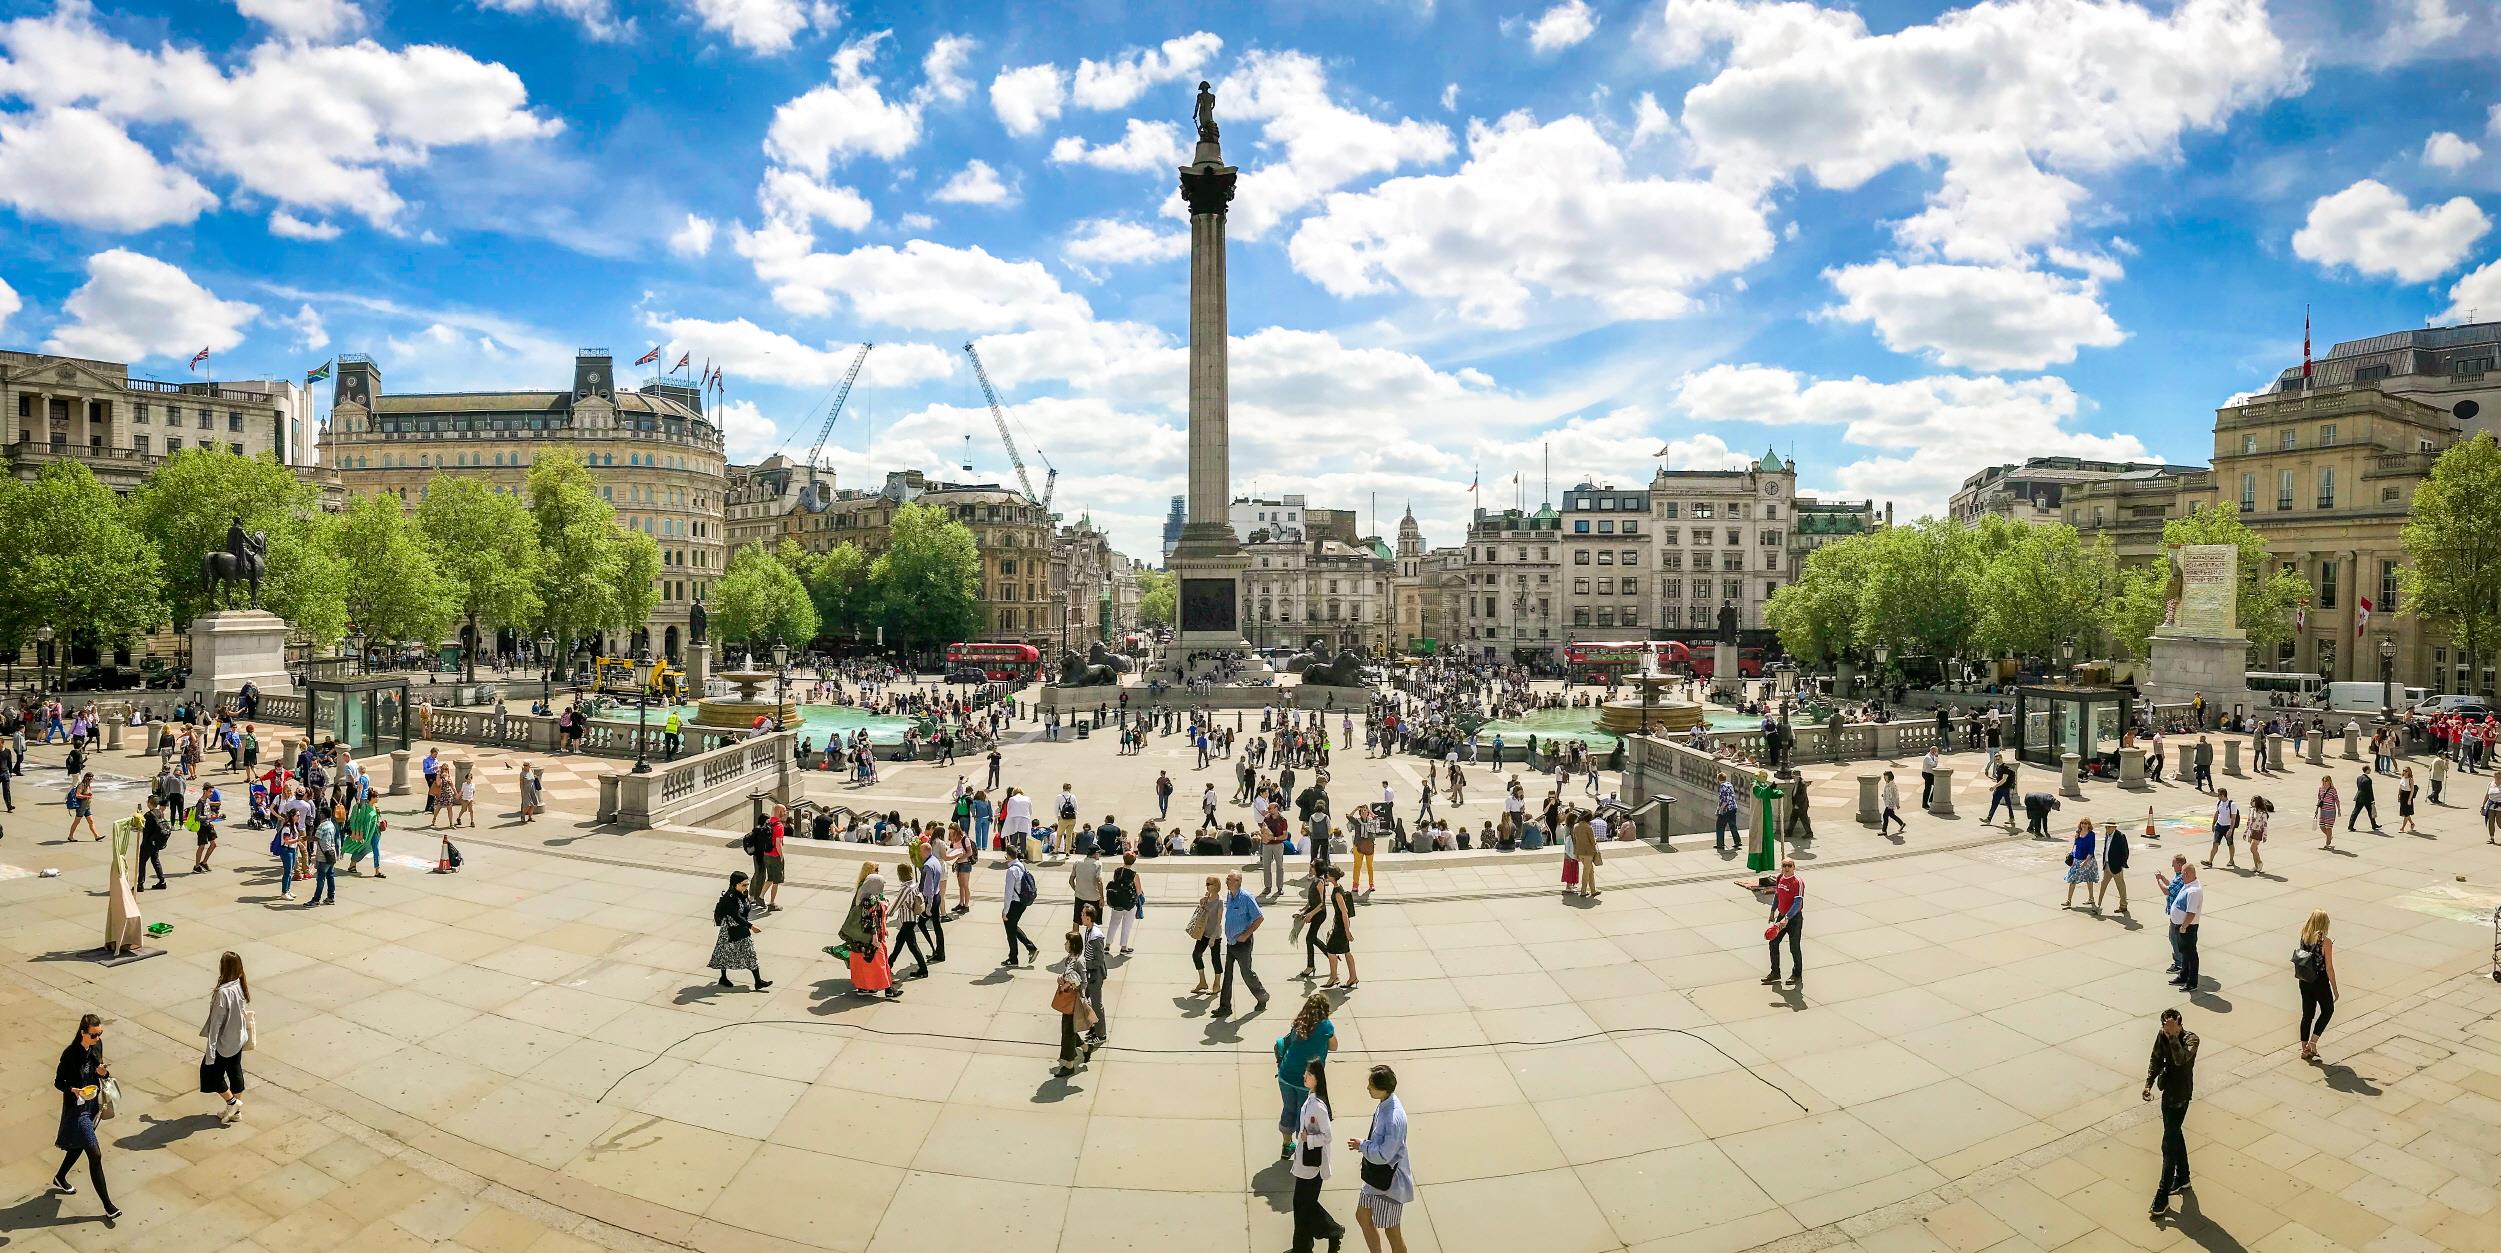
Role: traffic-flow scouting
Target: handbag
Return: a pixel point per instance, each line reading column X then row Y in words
column 251, row 1029
column 1378, row 1176
column 108, row 1098
column 1313, row 1146
column 1067, row 998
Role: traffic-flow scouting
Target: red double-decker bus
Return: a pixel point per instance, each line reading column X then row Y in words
column 1594, row 661
column 1006, row 663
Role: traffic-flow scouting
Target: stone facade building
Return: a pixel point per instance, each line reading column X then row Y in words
column 760, row 498
column 1513, row 606
column 1302, row 589
column 1020, row 603
column 653, row 453
column 2036, row 490
column 1722, row 536
column 119, row 426
column 1429, row 593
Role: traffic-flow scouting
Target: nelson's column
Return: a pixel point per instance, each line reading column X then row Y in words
column 1206, row 561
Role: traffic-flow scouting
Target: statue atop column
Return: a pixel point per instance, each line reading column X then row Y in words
column 1206, row 113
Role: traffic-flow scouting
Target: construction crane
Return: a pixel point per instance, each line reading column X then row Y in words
column 815, row 497
column 998, row 413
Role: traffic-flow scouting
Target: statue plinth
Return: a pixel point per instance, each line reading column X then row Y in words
column 231, row 647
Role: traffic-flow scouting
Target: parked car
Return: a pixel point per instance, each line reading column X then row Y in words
column 2453, row 703
column 2365, row 697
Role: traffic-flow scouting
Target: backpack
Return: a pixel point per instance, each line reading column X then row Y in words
column 1026, row 892
column 2309, row 964
column 1068, row 810
column 758, row 839
column 453, row 850
column 1122, row 895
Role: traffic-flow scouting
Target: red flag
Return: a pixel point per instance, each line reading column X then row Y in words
column 199, row 358
column 2305, row 343
column 649, row 357
column 2362, row 618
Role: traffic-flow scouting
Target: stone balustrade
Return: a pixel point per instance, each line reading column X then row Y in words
column 698, row 786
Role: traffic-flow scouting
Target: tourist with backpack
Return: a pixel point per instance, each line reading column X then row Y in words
column 1124, row 899
column 2314, row 968
column 1018, row 895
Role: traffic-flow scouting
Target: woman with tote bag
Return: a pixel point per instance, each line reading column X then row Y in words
column 228, row 1032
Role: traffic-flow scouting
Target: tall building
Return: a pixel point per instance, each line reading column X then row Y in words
column 1608, row 546
column 1174, row 518
column 1513, row 607
column 1817, row 523
column 1278, row 517
column 1723, row 538
column 1429, row 591
column 120, row 427
column 652, row 452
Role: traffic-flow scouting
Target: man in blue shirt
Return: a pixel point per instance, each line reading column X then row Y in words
column 1725, row 835
column 1241, row 922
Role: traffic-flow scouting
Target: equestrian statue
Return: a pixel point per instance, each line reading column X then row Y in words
column 244, row 560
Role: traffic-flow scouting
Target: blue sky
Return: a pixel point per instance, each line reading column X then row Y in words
column 1902, row 239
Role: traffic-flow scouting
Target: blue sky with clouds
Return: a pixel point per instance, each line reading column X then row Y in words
column 1905, row 240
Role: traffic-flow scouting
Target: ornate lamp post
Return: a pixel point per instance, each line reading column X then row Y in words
column 781, row 687
column 2388, row 678
column 2066, row 654
column 642, row 712
column 547, row 676
column 43, row 656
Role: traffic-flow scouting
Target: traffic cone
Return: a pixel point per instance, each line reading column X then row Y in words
column 443, row 857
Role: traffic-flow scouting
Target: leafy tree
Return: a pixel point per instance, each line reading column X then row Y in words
column 2268, row 593
column 2043, row 586
column 394, row 592
column 185, row 507
column 1915, row 595
column 928, row 580
column 2452, row 576
column 1158, row 598
column 74, row 561
column 638, row 580
column 485, row 543
column 838, row 581
column 581, row 561
column 1817, row 617
column 760, row 601
column 2136, row 607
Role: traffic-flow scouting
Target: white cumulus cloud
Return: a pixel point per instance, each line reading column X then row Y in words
column 75, row 165
column 1562, row 26
column 693, row 238
column 1028, row 96
column 310, row 334
column 2370, row 227
column 2475, row 297
column 976, row 183
column 793, row 201
column 286, row 225
column 942, row 69
column 134, row 307
column 597, row 18
column 1326, row 144
column 763, row 25
column 9, row 303
column 1144, row 146
column 751, row 352
column 920, row 286
column 1974, row 316
column 846, row 117
column 2446, row 150
column 1113, row 84
column 1536, row 210
column 304, row 19
column 1112, row 241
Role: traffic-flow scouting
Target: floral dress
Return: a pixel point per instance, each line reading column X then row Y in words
column 2328, row 806
column 2081, row 865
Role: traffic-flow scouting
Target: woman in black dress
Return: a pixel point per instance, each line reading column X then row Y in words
column 80, row 1078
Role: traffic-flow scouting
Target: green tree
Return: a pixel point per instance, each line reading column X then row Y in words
column 2043, row 586
column 1817, row 617
column 638, row 580
column 187, row 503
column 2268, row 593
column 1159, row 598
column 838, row 581
column 1916, row 592
column 485, row 543
column 761, row 601
column 2136, row 608
column 394, row 592
column 928, row 580
column 581, row 562
column 2452, row 576
column 75, row 562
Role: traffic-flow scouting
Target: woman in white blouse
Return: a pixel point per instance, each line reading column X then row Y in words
column 228, row 1030
column 1313, row 1154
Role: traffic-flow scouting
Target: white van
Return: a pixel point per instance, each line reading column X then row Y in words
column 2359, row 697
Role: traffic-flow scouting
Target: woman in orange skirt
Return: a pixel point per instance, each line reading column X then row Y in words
column 864, row 937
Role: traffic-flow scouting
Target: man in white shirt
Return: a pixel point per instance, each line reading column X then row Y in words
column 1063, row 821
column 2226, row 818
column 1016, row 822
column 2188, row 910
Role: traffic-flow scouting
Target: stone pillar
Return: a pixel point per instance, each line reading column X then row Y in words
column 2318, row 749
column 2070, row 775
column 1870, row 804
column 2275, row 753
column 2353, row 741
column 113, row 730
column 2132, row 768
column 79, row 431
column 698, row 671
column 2231, row 757
column 399, row 772
column 156, row 738
column 292, row 746
column 1941, row 802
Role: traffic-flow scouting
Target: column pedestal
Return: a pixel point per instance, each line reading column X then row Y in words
column 1870, row 805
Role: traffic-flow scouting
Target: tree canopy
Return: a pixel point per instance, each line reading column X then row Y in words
column 2268, row 593
column 189, row 500
column 1158, row 598
column 2452, row 576
column 760, row 600
column 928, row 579
column 485, row 544
column 75, row 562
column 394, row 592
column 581, row 556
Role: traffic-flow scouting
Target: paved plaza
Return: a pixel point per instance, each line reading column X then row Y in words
column 531, row 1055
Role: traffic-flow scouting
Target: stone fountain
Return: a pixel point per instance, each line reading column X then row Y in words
column 1624, row 715
column 740, row 712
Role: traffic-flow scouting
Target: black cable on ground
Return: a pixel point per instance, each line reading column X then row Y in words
column 1202, row 1052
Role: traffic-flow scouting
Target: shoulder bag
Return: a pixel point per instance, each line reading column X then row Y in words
column 108, row 1098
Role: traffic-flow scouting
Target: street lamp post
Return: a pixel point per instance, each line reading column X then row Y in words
column 2388, row 679
column 43, row 657
column 547, row 676
column 2066, row 654
column 642, row 711
column 781, row 686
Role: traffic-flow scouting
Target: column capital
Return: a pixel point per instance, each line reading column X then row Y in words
column 1208, row 188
